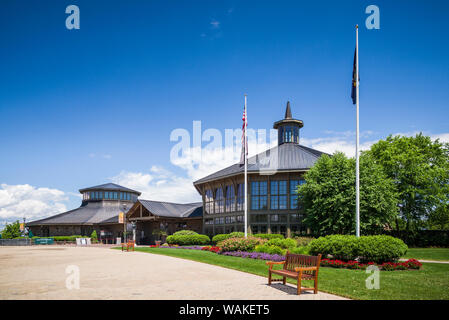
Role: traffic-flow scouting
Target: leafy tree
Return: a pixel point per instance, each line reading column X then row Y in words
column 94, row 236
column 328, row 196
column 419, row 168
column 11, row 230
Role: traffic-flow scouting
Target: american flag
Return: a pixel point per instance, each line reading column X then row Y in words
column 244, row 145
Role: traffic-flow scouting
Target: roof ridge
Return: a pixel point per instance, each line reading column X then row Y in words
column 307, row 149
column 183, row 204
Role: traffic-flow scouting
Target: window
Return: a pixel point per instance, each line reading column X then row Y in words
column 258, row 195
column 288, row 134
column 258, row 218
column 230, row 220
column 295, row 218
column 239, row 218
column 274, row 218
column 230, row 199
column 209, row 202
column 293, row 195
column 219, row 220
column 278, row 195
column 240, row 197
column 219, row 202
column 208, row 221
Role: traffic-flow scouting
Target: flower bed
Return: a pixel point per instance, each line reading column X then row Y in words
column 254, row 255
column 411, row 264
column 387, row 266
column 212, row 249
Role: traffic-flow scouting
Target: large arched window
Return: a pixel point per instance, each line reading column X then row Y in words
column 230, row 199
column 219, row 201
column 209, row 201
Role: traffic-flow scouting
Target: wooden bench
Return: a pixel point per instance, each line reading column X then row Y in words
column 297, row 266
column 128, row 245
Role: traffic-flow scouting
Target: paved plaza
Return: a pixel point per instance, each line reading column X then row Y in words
column 39, row 272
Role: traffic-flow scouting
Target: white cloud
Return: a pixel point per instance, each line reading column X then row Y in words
column 215, row 24
column 345, row 141
column 24, row 200
column 104, row 156
column 333, row 144
column 161, row 184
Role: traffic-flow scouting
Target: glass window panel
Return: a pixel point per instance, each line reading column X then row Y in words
column 263, row 202
column 294, row 202
column 282, row 202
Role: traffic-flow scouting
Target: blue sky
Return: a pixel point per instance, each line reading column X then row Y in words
column 98, row 104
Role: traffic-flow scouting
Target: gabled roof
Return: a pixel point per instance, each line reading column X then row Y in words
column 173, row 210
column 284, row 157
column 109, row 187
column 88, row 214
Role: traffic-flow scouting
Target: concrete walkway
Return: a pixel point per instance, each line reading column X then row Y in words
column 427, row 261
column 39, row 272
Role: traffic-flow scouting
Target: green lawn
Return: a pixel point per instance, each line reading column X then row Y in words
column 431, row 282
column 438, row 254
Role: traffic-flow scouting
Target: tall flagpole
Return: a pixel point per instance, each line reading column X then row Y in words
column 246, row 174
column 357, row 171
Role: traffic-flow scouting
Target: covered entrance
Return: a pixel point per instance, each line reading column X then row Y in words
column 156, row 220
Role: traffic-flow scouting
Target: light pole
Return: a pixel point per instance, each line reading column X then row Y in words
column 124, row 223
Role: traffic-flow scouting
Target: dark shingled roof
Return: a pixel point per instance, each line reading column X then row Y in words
column 173, row 210
column 110, row 187
column 284, row 157
column 89, row 213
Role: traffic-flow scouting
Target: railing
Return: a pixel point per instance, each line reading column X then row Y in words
column 15, row 242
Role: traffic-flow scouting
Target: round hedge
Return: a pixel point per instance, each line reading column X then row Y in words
column 366, row 248
column 241, row 244
column 188, row 239
column 220, row 237
column 269, row 236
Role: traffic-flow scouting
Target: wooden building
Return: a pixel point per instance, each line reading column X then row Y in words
column 151, row 217
column 273, row 177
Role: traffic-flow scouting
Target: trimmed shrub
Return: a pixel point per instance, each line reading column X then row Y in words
column 66, row 238
column 301, row 250
column 241, row 244
column 269, row 236
column 220, row 237
column 188, row 239
column 303, row 241
column 185, row 233
column 381, row 248
column 270, row 249
column 366, row 248
column 282, row 243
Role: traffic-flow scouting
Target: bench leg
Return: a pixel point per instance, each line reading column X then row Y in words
column 315, row 291
column 269, row 277
column 284, row 280
column 299, row 284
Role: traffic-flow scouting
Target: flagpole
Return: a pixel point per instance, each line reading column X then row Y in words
column 357, row 170
column 246, row 174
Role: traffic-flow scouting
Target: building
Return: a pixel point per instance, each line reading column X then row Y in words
column 273, row 177
column 100, row 208
column 153, row 217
